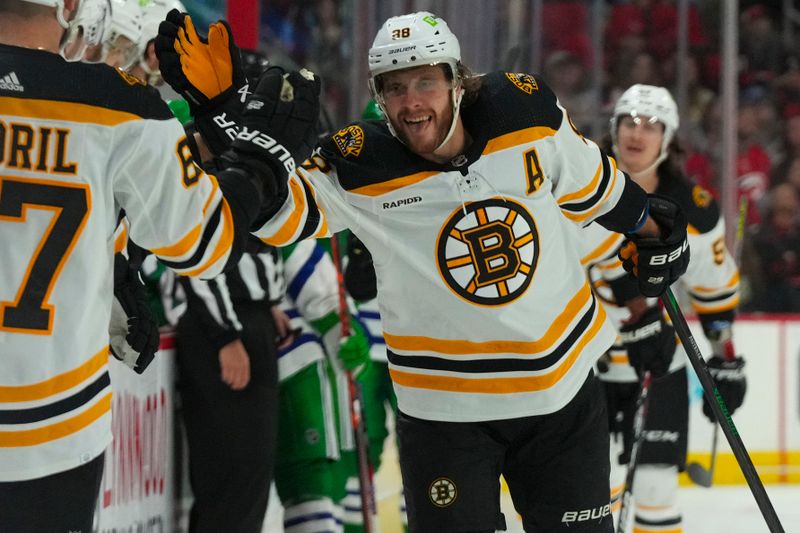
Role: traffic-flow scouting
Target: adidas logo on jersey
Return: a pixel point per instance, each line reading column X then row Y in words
column 10, row 82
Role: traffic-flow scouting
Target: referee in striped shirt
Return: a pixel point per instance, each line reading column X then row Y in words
column 227, row 359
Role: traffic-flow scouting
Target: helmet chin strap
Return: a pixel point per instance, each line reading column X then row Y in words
column 60, row 16
column 660, row 159
column 154, row 77
column 456, row 93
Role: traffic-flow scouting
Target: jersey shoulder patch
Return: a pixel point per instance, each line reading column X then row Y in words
column 365, row 153
column 702, row 210
column 512, row 101
column 47, row 76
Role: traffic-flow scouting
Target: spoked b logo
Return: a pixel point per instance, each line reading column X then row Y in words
column 488, row 254
column 443, row 492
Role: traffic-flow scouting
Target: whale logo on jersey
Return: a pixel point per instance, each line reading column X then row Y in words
column 349, row 140
column 488, row 255
column 523, row 82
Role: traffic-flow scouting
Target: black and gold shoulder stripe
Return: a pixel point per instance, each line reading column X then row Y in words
column 80, row 88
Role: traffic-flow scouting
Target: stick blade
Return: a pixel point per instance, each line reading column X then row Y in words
column 699, row 474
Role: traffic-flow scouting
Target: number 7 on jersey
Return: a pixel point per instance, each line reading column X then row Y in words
column 30, row 312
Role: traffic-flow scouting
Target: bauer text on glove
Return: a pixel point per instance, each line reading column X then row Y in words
column 658, row 261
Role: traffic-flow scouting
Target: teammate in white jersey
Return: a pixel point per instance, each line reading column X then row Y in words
column 81, row 142
column 490, row 324
column 643, row 126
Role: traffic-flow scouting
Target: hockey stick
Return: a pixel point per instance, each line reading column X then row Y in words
column 697, row 472
column 365, row 474
column 717, row 404
column 642, row 403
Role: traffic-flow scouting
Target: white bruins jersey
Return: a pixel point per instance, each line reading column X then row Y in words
column 711, row 280
column 80, row 143
column 486, row 310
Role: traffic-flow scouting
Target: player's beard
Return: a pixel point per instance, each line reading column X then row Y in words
column 429, row 144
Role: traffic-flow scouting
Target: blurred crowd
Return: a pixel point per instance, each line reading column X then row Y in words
column 639, row 39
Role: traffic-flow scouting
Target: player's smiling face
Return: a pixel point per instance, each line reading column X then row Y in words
column 418, row 104
column 638, row 142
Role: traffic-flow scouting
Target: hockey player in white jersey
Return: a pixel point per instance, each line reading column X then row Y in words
column 643, row 127
column 80, row 142
column 491, row 326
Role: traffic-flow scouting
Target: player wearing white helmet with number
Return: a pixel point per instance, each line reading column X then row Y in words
column 642, row 136
column 433, row 45
column 467, row 196
column 83, row 143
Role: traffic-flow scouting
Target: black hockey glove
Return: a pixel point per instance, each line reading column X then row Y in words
column 650, row 343
column 725, row 366
column 731, row 383
column 359, row 275
column 133, row 330
column 657, row 262
column 207, row 72
column 279, row 131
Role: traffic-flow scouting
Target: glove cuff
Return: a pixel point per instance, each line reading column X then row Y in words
column 219, row 120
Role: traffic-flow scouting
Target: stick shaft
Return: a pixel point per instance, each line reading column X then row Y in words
column 365, row 477
column 717, row 404
column 640, row 417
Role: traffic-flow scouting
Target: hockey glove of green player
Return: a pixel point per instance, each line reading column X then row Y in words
column 650, row 343
column 133, row 330
column 725, row 367
column 657, row 262
column 278, row 132
column 207, row 72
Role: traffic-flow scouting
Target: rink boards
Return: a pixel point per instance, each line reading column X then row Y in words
column 139, row 488
column 769, row 420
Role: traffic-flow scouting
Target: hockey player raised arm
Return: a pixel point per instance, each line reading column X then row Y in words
column 199, row 234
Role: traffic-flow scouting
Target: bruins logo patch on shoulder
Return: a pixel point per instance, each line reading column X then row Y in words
column 524, row 82
column 700, row 196
column 130, row 79
column 349, row 140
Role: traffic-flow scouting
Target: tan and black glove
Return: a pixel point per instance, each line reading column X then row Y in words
column 207, row 72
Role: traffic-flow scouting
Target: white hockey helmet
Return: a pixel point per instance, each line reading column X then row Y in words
column 153, row 12
column 59, row 5
column 414, row 40
column 648, row 101
column 89, row 28
column 125, row 32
